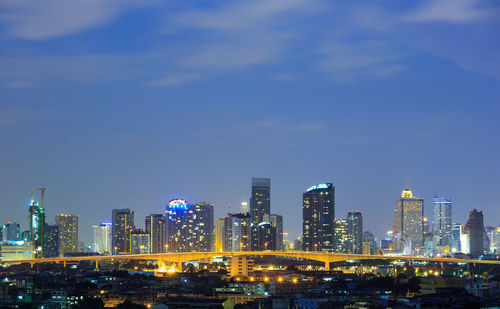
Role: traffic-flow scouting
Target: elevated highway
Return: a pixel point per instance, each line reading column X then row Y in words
column 183, row 257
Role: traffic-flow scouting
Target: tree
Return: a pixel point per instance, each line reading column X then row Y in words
column 130, row 305
column 89, row 303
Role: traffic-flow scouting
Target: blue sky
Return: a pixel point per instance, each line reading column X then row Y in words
column 132, row 103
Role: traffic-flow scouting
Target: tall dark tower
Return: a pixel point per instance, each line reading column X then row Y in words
column 37, row 226
column 318, row 216
column 121, row 228
column 475, row 231
column 260, row 201
column 156, row 227
column 355, row 232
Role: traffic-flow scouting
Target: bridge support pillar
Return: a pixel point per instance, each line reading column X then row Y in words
column 178, row 266
column 96, row 264
column 327, row 266
column 64, row 264
column 32, row 264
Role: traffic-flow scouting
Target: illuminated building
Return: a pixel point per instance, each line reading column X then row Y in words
column 227, row 245
column 426, row 227
column 219, row 235
column 17, row 250
column 68, row 233
column 177, row 226
column 442, row 220
column 371, row 240
column 241, row 231
column 140, row 242
column 267, row 236
column 37, row 225
column 318, row 215
column 121, row 226
column 341, row 236
column 456, row 231
column 407, row 222
column 355, row 232
column 200, row 226
column 11, row 231
column 240, row 266
column 489, row 234
column 474, row 229
column 156, row 227
column 277, row 222
column 495, row 246
column 51, row 241
column 102, row 238
column 260, row 201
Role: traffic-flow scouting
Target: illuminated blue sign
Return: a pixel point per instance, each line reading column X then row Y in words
column 178, row 204
column 320, row 186
column 442, row 201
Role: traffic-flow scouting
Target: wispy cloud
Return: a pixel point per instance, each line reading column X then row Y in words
column 174, row 79
column 15, row 116
column 37, row 20
column 454, row 11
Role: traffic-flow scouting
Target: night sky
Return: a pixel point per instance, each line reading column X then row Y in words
column 128, row 103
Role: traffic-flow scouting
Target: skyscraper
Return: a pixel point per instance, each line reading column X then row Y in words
column 177, row 225
column 11, row 231
column 407, row 222
column 341, row 236
column 121, row 227
column 68, row 233
column 277, row 222
column 140, row 242
column 37, row 225
column 241, row 233
column 201, row 226
column 260, row 201
column 156, row 226
column 267, row 236
column 474, row 229
column 355, row 232
column 102, row 238
column 318, row 214
column 51, row 243
column 442, row 220
column 219, row 235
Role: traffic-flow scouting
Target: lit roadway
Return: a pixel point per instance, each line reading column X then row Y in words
column 182, row 257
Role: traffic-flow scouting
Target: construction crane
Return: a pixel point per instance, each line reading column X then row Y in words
column 42, row 191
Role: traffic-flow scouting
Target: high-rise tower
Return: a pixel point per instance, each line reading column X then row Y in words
column 355, row 232
column 156, row 227
column 318, row 215
column 68, row 233
column 442, row 220
column 260, row 201
column 474, row 229
column 121, row 227
column 102, row 238
column 408, row 217
column 37, row 225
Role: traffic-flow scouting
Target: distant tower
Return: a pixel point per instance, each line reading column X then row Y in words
column 102, row 238
column 355, row 232
column 442, row 220
column 37, row 225
column 177, row 225
column 51, row 241
column 408, row 217
column 475, row 231
column 318, row 215
column 68, row 233
column 121, row 228
column 156, row 227
column 260, row 201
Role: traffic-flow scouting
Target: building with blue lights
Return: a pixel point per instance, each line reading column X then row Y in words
column 318, row 217
column 442, row 221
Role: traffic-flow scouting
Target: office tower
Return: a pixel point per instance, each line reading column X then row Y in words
column 371, row 240
column 495, row 247
column 442, row 220
column 341, row 236
column 140, row 242
column 201, row 226
column 244, row 207
column 177, row 225
column 219, row 235
column 11, row 232
column 102, row 238
column 241, row 231
column 426, row 225
column 474, row 229
column 318, row 215
column 267, row 236
column 407, row 222
column 156, row 226
column 260, row 201
column 277, row 222
column 122, row 224
column 51, row 243
column 37, row 225
column 355, row 232
column 68, row 233
column 228, row 234
column 488, row 240
column 456, row 231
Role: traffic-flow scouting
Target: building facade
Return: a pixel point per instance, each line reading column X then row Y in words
column 37, row 226
column 156, row 227
column 140, row 242
column 68, row 233
column 408, row 221
column 260, row 200
column 11, row 231
column 122, row 224
column 241, row 231
column 442, row 221
column 51, row 243
column 201, row 226
column 318, row 214
column 355, row 232
column 474, row 229
column 102, row 238
column 341, row 236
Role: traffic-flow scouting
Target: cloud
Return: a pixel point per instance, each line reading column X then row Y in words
column 349, row 61
column 18, row 84
column 453, row 11
column 39, row 20
column 174, row 79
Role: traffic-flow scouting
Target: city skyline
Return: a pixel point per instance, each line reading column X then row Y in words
column 131, row 105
